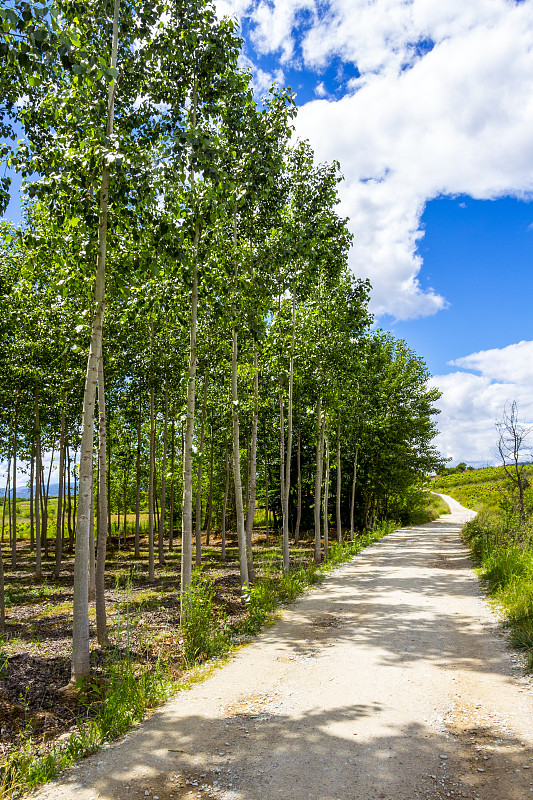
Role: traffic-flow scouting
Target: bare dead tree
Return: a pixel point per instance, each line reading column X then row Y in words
column 512, row 447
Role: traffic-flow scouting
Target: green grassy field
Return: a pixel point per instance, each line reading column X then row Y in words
column 479, row 489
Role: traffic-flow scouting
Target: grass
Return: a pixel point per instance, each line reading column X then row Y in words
column 502, row 545
column 506, row 564
column 478, row 489
column 127, row 696
column 131, row 687
column 430, row 508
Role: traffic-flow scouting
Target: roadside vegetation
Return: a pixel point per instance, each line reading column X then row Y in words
column 501, row 535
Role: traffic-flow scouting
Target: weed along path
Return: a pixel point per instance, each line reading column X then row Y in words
column 390, row 680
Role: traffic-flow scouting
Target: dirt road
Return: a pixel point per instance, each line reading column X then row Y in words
column 391, row 680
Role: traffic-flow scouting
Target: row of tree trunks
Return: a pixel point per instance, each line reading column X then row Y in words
column 250, row 512
column 59, row 520
column 198, row 520
column 161, row 552
column 14, row 524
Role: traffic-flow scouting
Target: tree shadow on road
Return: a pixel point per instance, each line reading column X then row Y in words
column 268, row 754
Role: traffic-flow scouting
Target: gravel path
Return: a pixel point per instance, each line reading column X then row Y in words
column 391, row 680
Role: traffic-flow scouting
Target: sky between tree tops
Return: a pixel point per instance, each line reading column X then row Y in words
column 428, row 106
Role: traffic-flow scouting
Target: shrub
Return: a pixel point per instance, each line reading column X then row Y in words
column 199, row 624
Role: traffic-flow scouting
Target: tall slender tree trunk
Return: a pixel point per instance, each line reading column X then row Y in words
column 299, row 481
column 9, row 509
column 246, row 492
column 151, row 471
column 44, row 503
column 352, row 501
column 281, row 452
column 198, row 517
column 267, row 510
column 64, row 507
column 32, row 478
column 287, row 484
column 186, row 514
column 9, row 518
column 161, row 531
column 250, row 514
column 59, row 520
column 239, row 509
column 326, row 500
column 108, row 485
column 6, row 495
column 318, row 483
column 172, row 475
column 157, row 515
column 138, row 479
column 69, row 518
column 38, row 564
column 14, row 482
column 2, row 594
column 101, row 522
column 92, row 562
column 225, row 505
column 210, row 495
column 80, row 632
column 125, row 504
column 75, row 501
column 339, row 484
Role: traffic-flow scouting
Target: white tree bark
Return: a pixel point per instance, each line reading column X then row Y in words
column 225, row 505
column 318, row 482
column 299, row 483
column 287, row 482
column 253, row 474
column 138, row 480
column 241, row 533
column 101, row 523
column 151, row 471
column 37, row 498
column 198, row 513
column 14, row 483
column 80, row 629
column 352, row 502
column 339, row 484
column 326, row 500
column 92, row 562
column 186, row 515
column 161, row 531
column 59, row 521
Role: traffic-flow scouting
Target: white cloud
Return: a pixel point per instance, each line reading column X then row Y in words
column 261, row 80
column 513, row 364
column 472, row 404
column 443, row 107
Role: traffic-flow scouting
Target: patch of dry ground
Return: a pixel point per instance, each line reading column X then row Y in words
column 392, row 680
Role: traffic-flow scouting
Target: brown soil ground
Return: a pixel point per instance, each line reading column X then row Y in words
column 35, row 650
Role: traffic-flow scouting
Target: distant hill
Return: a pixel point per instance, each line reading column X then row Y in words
column 23, row 492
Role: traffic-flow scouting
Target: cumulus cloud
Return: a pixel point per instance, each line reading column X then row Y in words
column 262, row 80
column 442, row 106
column 472, row 404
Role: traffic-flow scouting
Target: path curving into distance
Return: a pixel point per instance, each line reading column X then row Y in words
column 391, row 680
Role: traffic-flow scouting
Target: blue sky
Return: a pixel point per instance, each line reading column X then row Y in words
column 428, row 107
column 478, row 254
